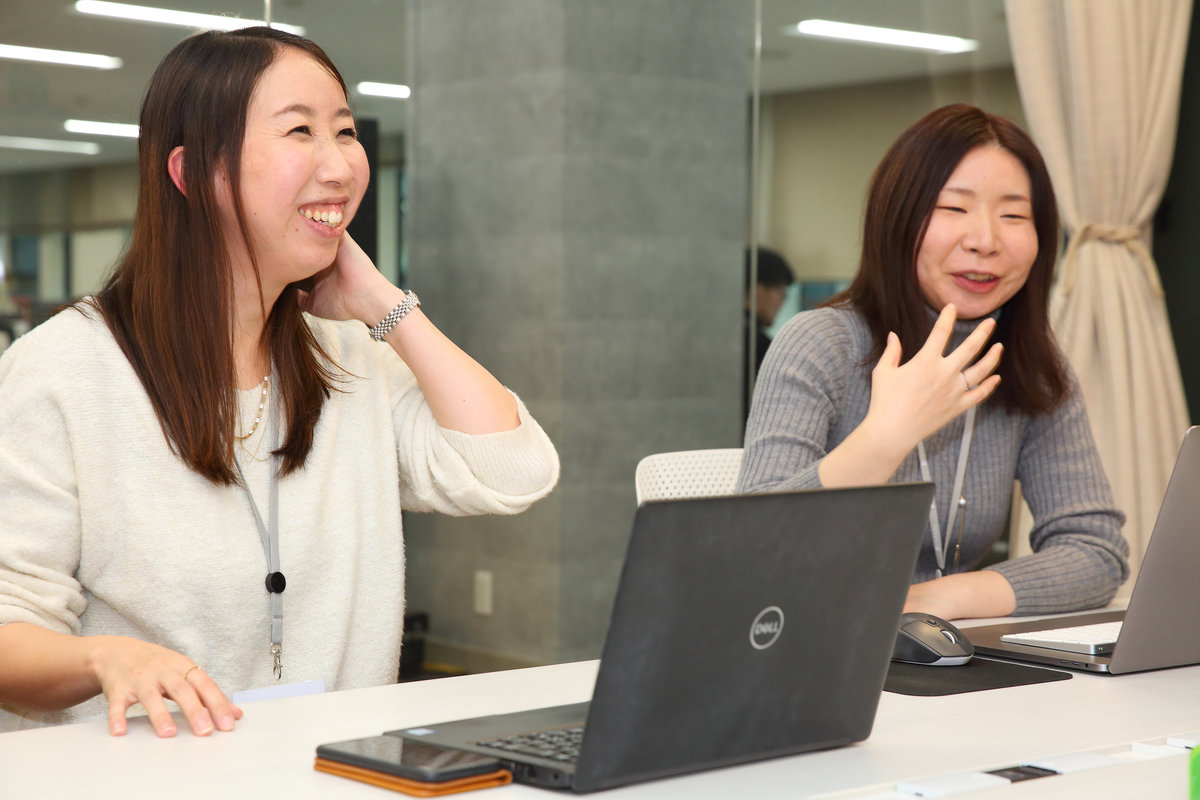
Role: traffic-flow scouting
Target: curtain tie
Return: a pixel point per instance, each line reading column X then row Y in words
column 1128, row 235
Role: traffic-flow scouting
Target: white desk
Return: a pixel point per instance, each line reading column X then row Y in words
column 270, row 754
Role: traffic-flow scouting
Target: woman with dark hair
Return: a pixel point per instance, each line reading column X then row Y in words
column 887, row 383
column 218, row 417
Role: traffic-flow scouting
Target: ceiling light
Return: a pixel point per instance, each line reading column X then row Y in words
column 52, row 145
column 59, row 57
column 101, row 128
column 886, row 36
column 188, row 19
column 395, row 90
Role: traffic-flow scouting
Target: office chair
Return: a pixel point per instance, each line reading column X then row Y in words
column 687, row 473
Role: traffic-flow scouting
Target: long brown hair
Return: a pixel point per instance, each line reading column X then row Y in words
column 169, row 304
column 900, row 202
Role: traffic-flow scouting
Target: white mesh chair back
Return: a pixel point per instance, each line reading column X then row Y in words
column 688, row 473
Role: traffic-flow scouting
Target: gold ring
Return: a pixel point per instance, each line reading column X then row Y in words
column 189, row 670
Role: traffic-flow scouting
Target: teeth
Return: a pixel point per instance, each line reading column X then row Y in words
column 331, row 218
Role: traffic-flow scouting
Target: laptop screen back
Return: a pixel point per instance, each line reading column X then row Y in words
column 750, row 626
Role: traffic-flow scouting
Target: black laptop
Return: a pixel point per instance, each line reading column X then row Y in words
column 1160, row 627
column 744, row 628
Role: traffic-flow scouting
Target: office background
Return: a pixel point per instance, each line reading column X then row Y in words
column 570, row 187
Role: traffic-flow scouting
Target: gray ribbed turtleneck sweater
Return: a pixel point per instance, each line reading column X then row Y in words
column 813, row 391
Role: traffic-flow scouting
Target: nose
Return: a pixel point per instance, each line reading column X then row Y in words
column 982, row 235
column 332, row 165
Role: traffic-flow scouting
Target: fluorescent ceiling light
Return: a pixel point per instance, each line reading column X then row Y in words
column 59, row 57
column 165, row 16
column 101, row 128
column 396, row 90
column 52, row 145
column 886, row 36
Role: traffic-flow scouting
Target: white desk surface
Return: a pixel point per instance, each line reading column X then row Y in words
column 270, row 754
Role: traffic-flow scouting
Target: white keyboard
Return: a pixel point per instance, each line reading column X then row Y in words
column 1092, row 640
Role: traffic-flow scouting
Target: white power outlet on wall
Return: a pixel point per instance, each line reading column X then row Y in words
column 483, row 592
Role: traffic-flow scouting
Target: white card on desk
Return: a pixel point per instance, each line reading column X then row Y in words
column 947, row 785
column 297, row 689
column 1188, row 740
column 1071, row 762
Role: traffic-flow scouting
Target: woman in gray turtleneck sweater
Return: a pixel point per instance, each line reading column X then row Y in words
column 959, row 245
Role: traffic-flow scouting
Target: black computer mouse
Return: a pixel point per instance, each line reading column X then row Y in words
column 930, row 640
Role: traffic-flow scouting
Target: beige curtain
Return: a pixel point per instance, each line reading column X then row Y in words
column 1099, row 82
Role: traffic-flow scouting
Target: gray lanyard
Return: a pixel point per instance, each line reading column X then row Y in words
column 940, row 544
column 270, row 539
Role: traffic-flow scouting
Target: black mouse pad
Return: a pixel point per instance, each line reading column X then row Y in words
column 976, row 675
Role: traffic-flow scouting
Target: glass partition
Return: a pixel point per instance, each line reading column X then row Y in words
column 830, row 107
column 68, row 147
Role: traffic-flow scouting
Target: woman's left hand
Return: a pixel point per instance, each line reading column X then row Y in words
column 349, row 288
column 965, row 595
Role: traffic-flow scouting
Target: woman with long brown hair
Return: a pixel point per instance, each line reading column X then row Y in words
column 892, row 382
column 202, row 468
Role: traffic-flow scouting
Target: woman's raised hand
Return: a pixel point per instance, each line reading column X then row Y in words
column 132, row 671
column 911, row 401
column 350, row 287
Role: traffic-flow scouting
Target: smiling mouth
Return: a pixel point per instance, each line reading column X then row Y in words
column 328, row 214
column 978, row 277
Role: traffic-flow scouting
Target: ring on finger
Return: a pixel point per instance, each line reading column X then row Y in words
column 967, row 381
column 188, row 671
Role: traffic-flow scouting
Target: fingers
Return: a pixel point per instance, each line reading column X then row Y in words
column 215, row 704
column 117, row 706
column 982, row 392
column 891, row 352
column 965, row 353
column 132, row 672
column 939, row 337
column 976, row 373
column 152, row 700
column 182, row 692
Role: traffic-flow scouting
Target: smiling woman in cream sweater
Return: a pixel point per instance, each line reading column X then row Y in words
column 137, row 430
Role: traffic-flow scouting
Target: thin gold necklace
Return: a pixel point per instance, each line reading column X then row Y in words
column 262, row 403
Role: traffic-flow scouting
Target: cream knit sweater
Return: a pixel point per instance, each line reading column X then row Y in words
column 103, row 530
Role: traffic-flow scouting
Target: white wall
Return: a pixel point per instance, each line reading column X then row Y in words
column 52, row 267
column 93, row 255
column 826, row 144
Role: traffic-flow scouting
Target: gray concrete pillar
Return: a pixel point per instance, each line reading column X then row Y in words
column 577, row 214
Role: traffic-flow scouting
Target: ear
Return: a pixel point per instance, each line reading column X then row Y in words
column 175, row 169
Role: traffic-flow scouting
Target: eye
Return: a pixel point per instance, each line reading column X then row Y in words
column 349, row 132
column 301, row 129
column 953, row 208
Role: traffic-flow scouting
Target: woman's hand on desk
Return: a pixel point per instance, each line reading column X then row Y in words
column 966, row 595
column 43, row 670
column 132, row 671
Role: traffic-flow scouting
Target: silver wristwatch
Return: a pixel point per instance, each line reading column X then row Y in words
column 394, row 316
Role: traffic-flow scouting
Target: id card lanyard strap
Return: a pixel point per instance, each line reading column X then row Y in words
column 270, row 539
column 941, row 543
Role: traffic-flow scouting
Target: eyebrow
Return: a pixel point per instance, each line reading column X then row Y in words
column 300, row 108
column 970, row 193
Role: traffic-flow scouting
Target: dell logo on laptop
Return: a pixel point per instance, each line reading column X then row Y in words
column 766, row 627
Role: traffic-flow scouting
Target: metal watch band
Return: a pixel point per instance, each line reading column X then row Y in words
column 394, row 316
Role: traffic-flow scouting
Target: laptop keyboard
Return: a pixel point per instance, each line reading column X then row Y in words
column 561, row 744
column 1092, row 640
